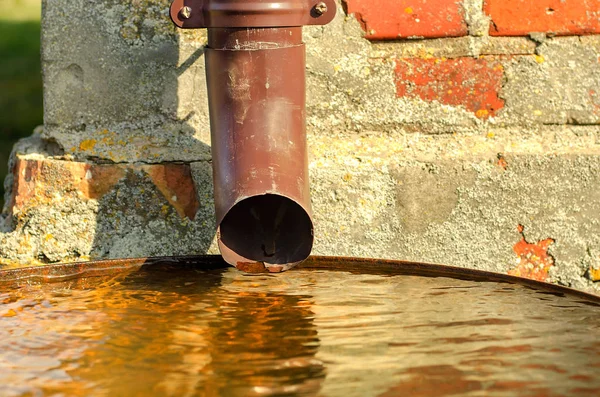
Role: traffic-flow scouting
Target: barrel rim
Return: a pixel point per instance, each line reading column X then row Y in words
column 66, row 271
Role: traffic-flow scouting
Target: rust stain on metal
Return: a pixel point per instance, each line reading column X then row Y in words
column 276, row 269
column 252, row 267
column 534, row 262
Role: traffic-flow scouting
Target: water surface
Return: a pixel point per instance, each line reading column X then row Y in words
column 219, row 332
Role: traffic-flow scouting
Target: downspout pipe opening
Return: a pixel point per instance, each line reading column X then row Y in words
column 270, row 228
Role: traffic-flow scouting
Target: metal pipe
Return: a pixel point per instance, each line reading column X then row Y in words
column 255, row 66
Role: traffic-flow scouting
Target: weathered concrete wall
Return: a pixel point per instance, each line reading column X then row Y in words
column 455, row 135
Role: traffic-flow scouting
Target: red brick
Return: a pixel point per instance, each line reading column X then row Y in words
column 393, row 19
column 175, row 182
column 561, row 17
column 39, row 182
column 469, row 82
column 44, row 181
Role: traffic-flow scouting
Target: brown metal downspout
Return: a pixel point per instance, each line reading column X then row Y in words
column 255, row 66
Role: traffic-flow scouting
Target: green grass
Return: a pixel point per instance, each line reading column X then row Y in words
column 20, row 75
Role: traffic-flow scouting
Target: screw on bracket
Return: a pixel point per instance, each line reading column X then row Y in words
column 185, row 12
column 321, row 8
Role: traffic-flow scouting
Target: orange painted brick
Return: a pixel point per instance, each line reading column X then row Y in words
column 469, row 82
column 393, row 19
column 534, row 260
column 44, row 181
column 561, row 17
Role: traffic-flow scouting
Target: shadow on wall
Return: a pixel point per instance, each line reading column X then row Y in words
column 164, row 208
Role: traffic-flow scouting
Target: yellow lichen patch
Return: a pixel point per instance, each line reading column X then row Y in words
column 408, row 10
column 594, row 274
column 10, row 313
column 197, row 36
column 11, row 264
column 425, row 53
column 347, row 178
column 88, row 145
column 540, row 59
column 7, row 263
column 481, row 113
column 537, row 112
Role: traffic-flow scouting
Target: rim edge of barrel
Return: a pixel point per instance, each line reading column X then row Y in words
column 63, row 271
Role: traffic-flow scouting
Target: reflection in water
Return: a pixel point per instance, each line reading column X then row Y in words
column 220, row 332
column 262, row 341
column 152, row 333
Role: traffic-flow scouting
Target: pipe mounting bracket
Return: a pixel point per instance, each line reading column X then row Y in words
column 194, row 14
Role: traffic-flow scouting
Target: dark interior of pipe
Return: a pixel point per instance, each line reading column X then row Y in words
column 268, row 228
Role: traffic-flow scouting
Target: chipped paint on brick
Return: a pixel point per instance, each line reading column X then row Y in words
column 175, row 183
column 43, row 182
column 534, row 261
column 472, row 83
column 502, row 161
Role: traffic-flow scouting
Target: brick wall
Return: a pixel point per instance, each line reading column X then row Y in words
column 485, row 41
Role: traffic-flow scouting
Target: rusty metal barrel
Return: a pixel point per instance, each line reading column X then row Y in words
column 255, row 67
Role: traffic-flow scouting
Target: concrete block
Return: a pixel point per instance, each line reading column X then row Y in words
column 64, row 210
column 120, row 82
column 483, row 202
column 558, row 85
